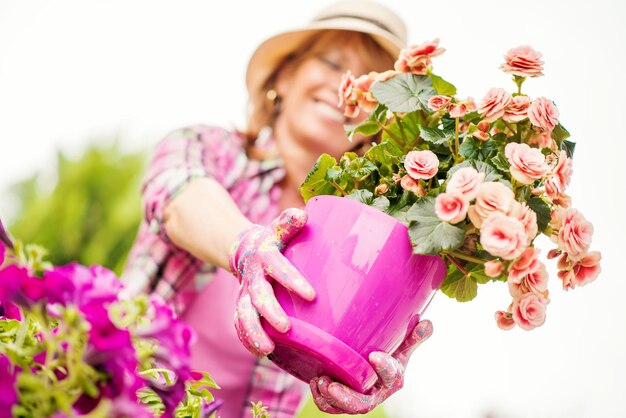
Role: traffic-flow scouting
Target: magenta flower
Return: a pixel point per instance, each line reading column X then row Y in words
column 104, row 336
column 4, row 238
column 8, row 394
column 19, row 287
column 9, row 310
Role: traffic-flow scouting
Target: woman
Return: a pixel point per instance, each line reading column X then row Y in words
column 209, row 191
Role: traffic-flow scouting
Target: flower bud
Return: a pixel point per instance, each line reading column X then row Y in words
column 381, row 189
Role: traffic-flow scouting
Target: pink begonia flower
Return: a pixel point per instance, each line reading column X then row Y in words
column 526, row 263
column 465, row 181
column 385, row 75
column 575, row 234
column 470, row 104
column 527, row 164
column 543, row 113
column 527, row 217
column 415, row 59
column 529, row 311
column 421, row 165
column 523, row 61
column 439, row 102
column 366, row 100
column 552, row 190
column 493, row 104
column 349, row 95
column 535, row 281
column 503, row 236
column 408, row 183
column 492, row 197
column 583, row 272
column 504, row 320
column 451, row 207
column 457, row 110
column 542, row 140
column 493, row 268
column 517, row 109
column 563, row 170
column 480, row 135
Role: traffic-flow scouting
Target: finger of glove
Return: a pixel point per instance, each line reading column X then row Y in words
column 389, row 370
column 249, row 329
column 422, row 331
column 350, row 401
column 288, row 224
column 320, row 400
column 263, row 299
column 276, row 265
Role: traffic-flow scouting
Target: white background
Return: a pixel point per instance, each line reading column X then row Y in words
column 76, row 71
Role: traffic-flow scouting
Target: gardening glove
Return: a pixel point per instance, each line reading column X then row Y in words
column 336, row 398
column 256, row 258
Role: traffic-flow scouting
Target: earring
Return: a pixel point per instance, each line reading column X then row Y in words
column 271, row 95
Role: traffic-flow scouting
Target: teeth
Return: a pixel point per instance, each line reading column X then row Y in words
column 332, row 112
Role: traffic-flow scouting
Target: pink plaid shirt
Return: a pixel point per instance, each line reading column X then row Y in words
column 204, row 295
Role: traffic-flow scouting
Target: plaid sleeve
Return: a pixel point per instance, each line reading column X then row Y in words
column 183, row 155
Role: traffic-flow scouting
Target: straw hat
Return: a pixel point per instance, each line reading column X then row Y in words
column 366, row 16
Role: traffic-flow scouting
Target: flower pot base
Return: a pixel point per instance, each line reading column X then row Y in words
column 306, row 352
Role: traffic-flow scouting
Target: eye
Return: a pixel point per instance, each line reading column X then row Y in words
column 331, row 63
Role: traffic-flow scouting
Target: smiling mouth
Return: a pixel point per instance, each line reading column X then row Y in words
column 332, row 112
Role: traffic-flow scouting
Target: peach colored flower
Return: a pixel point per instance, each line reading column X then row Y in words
column 480, row 135
column 493, row 104
column 366, row 100
column 542, row 140
column 457, row 110
column 503, row 236
column 529, row 311
column 493, row 268
column 543, row 113
column 528, row 218
column 451, row 207
column 504, row 320
column 586, row 270
column 470, row 104
column 517, row 109
column 575, row 234
column 465, row 181
column 349, row 95
column 535, row 281
column 415, row 59
column 527, row 164
column 523, row 61
column 491, row 197
column 439, row 102
column 526, row 263
column 408, row 183
column 421, row 165
column 563, row 170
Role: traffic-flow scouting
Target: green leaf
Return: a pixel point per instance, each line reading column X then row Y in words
column 569, row 148
column 404, row 92
column 371, row 125
column 435, row 135
column 458, row 286
column 316, row 182
column 541, row 208
column 501, row 163
column 442, row 86
column 360, row 167
column 482, row 167
column 473, row 149
column 366, row 197
column 430, row 235
column 559, row 133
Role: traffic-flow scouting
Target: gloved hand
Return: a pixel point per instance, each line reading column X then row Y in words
column 336, row 398
column 255, row 258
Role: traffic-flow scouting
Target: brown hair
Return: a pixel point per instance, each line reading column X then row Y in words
column 263, row 110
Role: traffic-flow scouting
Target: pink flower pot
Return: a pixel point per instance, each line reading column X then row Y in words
column 370, row 291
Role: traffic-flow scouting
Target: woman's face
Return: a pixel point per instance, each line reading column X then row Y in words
column 309, row 112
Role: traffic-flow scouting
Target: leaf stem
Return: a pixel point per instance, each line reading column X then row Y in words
column 457, row 264
column 404, row 137
column 338, row 187
column 393, row 138
column 465, row 257
column 456, row 137
column 508, row 125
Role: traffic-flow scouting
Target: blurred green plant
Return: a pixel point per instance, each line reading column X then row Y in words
column 310, row 411
column 92, row 213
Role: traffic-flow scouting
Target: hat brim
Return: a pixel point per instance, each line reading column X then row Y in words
column 271, row 52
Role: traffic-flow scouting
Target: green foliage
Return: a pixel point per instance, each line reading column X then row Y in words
column 429, row 234
column 93, row 211
column 404, row 92
column 311, row 411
